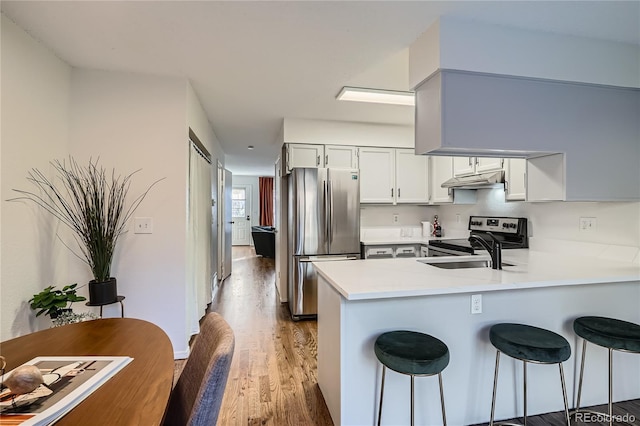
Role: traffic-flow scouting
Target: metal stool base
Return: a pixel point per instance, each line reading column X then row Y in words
column 495, row 387
column 444, row 416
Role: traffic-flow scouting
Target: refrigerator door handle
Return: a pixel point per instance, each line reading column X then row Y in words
column 330, row 215
column 325, row 200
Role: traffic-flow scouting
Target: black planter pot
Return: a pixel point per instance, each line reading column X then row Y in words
column 103, row 293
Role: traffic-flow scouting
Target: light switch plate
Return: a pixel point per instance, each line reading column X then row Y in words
column 143, row 225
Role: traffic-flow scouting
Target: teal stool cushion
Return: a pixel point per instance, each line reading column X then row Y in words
column 410, row 352
column 609, row 332
column 530, row 343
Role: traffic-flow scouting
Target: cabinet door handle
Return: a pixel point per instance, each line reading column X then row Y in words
column 477, row 160
column 398, row 192
column 318, row 160
column 469, row 161
column 392, row 192
column 326, row 160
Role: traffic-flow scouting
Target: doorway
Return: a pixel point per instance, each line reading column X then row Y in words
column 241, row 215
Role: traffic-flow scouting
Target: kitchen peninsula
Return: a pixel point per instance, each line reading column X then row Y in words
column 359, row 300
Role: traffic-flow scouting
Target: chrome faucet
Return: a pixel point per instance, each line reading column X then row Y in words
column 495, row 249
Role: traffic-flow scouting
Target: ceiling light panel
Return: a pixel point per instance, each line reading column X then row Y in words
column 359, row 94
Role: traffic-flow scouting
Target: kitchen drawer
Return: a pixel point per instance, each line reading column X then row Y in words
column 378, row 252
column 406, row 251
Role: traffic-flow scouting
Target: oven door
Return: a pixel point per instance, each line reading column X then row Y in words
column 440, row 251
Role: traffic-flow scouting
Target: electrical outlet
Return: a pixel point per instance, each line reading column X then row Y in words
column 396, row 218
column 588, row 224
column 476, row 303
column 143, row 225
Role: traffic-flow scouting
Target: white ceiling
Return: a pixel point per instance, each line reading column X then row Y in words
column 254, row 63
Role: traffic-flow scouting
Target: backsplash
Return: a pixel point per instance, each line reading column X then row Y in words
column 617, row 223
column 380, row 215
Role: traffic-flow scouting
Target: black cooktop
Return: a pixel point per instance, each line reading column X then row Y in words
column 512, row 233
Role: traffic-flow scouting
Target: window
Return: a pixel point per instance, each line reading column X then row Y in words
column 238, row 203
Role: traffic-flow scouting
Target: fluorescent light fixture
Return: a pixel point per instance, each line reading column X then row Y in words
column 359, row 94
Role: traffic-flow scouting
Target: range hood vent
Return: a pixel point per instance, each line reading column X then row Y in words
column 482, row 180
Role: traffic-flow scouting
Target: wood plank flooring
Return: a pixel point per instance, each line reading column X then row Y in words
column 626, row 410
column 273, row 373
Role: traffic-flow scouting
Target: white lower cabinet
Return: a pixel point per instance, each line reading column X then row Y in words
column 378, row 252
column 391, row 250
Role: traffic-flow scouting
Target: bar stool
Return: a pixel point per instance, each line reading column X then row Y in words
column 612, row 334
column 528, row 344
column 413, row 354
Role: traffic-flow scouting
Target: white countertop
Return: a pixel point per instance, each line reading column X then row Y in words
column 388, row 278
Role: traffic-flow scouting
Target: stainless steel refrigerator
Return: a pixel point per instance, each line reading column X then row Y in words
column 324, row 225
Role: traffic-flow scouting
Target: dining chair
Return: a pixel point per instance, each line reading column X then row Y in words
column 197, row 396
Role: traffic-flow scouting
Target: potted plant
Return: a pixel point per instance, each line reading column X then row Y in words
column 55, row 302
column 92, row 203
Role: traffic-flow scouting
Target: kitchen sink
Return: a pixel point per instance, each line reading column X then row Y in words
column 461, row 264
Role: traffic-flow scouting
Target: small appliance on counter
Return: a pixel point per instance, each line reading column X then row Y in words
column 511, row 231
column 426, row 229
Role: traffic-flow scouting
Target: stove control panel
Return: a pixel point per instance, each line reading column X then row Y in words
column 504, row 225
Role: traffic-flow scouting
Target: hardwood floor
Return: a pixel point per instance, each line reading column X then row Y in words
column 273, row 373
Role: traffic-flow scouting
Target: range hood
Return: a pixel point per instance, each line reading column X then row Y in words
column 477, row 181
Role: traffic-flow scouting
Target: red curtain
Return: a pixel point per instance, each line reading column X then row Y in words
column 266, row 201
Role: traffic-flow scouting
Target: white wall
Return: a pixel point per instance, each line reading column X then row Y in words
column 132, row 122
column 198, row 122
column 35, row 117
column 347, row 133
column 378, row 215
column 253, row 183
column 617, row 223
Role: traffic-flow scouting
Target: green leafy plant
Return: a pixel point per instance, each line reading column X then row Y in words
column 54, row 302
column 92, row 203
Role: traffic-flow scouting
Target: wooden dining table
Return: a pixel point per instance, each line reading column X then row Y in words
column 136, row 395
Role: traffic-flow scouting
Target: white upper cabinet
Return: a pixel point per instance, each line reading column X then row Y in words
column 304, row 155
column 340, row 157
column 393, row 176
column 441, row 171
column 488, row 164
column 377, row 175
column 412, row 177
column 465, row 166
column 515, row 179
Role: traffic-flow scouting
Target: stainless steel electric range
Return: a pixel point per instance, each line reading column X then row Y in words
column 511, row 231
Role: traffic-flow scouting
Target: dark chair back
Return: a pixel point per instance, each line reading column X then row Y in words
column 197, row 396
